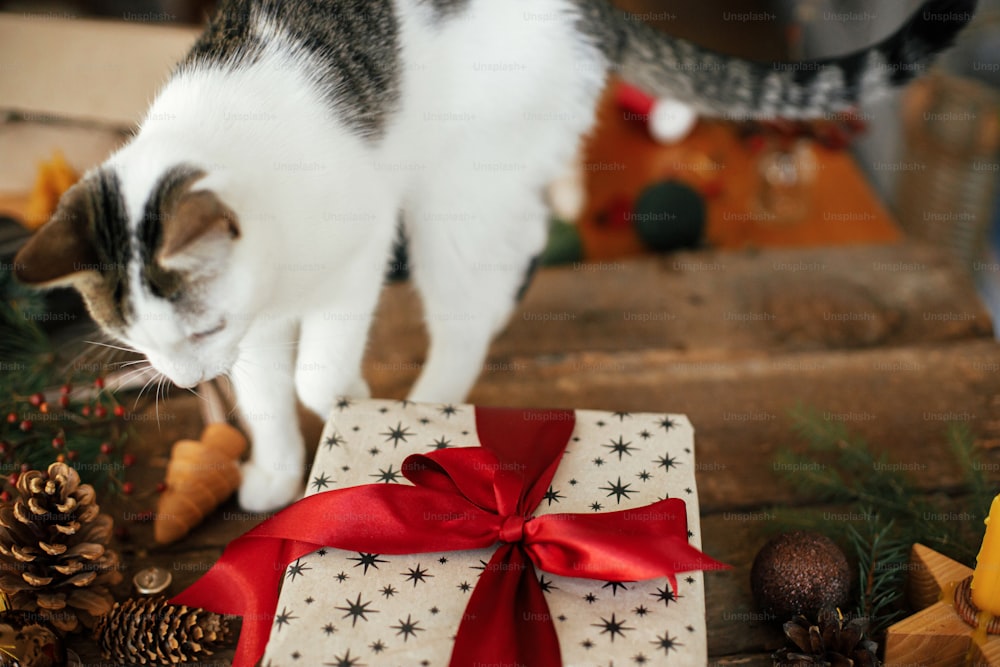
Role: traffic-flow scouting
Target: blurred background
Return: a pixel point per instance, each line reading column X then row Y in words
column 954, row 202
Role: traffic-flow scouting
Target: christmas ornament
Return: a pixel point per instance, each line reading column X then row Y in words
column 828, row 642
column 668, row 121
column 54, row 559
column 564, row 245
column 800, row 572
column 54, row 177
column 152, row 581
column 27, row 641
column 669, row 215
column 150, row 631
column 201, row 475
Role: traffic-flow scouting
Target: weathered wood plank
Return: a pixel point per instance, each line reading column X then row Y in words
column 899, row 399
column 775, row 300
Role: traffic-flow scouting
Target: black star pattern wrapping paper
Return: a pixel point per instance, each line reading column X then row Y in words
column 372, row 610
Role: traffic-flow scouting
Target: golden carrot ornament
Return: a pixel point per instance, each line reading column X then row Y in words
column 201, row 474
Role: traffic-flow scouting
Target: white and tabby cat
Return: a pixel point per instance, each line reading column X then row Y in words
column 246, row 228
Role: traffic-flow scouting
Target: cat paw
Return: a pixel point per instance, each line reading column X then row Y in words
column 265, row 490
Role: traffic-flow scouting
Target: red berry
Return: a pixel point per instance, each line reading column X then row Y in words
column 119, row 411
column 99, row 383
column 4, row 447
column 26, row 425
column 121, row 533
column 13, row 477
column 5, row 497
column 65, row 389
column 128, row 488
column 11, row 418
column 128, row 460
column 37, row 399
column 44, row 408
column 61, row 458
column 25, row 467
column 64, row 401
column 72, row 455
column 100, row 412
column 161, row 487
column 58, row 443
column 85, row 411
column 107, row 448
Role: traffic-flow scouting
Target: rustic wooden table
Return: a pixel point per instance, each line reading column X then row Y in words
column 663, row 335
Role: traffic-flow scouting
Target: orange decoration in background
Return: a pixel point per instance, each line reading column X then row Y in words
column 54, row 177
column 620, row 160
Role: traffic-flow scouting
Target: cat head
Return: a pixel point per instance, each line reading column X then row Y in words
column 157, row 275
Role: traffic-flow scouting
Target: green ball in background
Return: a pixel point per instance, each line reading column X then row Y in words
column 565, row 245
column 669, row 216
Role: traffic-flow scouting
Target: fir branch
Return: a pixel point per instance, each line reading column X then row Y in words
column 822, row 434
column 839, row 466
column 882, row 554
column 963, row 445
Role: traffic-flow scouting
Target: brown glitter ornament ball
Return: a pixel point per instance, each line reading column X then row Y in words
column 800, row 572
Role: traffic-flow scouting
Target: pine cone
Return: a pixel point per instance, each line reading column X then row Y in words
column 54, row 559
column 827, row 643
column 149, row 631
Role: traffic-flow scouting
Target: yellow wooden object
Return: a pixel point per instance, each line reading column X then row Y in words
column 986, row 578
column 936, row 636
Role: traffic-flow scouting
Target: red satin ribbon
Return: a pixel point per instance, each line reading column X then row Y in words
column 488, row 495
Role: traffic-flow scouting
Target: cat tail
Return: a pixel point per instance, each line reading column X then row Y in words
column 719, row 85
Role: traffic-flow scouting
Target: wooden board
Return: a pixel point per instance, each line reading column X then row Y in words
column 707, row 307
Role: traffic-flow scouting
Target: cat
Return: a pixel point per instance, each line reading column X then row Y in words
column 246, row 227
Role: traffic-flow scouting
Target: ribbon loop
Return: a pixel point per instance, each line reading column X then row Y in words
column 512, row 529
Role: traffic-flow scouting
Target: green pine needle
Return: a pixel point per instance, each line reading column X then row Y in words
column 882, row 565
column 28, row 365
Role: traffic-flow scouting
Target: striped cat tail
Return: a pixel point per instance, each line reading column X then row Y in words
column 720, row 85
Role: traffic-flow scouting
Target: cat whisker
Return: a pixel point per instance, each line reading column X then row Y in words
column 113, row 347
column 152, row 378
column 123, row 364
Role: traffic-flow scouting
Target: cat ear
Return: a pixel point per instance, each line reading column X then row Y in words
column 62, row 251
column 195, row 228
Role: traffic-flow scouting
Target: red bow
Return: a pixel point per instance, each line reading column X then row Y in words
column 488, row 494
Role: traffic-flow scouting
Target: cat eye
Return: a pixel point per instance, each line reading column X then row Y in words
column 202, row 335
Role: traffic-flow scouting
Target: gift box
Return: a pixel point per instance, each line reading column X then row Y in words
column 613, row 486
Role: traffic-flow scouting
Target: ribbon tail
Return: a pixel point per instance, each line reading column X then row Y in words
column 628, row 545
column 238, row 585
column 492, row 632
column 686, row 558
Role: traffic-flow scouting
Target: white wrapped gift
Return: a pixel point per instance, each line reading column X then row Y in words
column 354, row 608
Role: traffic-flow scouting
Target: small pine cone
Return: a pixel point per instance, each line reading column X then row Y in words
column 150, row 631
column 827, row 642
column 54, row 559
